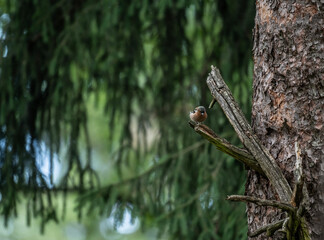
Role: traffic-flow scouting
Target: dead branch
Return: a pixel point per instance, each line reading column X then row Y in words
column 297, row 196
column 224, row 97
column 270, row 229
column 257, row 157
column 223, row 145
column 262, row 202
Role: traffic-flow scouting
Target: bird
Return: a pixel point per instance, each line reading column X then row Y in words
column 198, row 115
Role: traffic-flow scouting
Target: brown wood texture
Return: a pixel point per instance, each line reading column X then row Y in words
column 223, row 145
column 288, row 104
column 225, row 99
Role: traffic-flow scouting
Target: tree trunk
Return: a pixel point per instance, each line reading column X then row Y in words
column 288, row 103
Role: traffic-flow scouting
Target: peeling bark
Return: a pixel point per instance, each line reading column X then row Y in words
column 288, row 103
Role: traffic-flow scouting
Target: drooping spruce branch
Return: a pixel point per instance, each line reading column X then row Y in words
column 223, row 145
column 103, row 190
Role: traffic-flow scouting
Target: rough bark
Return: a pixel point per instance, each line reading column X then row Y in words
column 288, row 104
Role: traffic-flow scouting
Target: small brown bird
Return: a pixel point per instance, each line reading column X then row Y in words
column 198, row 115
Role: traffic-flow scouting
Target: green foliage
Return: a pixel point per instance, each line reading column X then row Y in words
column 143, row 64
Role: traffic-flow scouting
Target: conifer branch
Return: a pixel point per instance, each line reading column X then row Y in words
column 224, row 97
column 223, row 145
column 150, row 170
column 158, row 165
column 186, row 203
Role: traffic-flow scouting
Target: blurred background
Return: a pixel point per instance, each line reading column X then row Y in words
column 94, row 105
